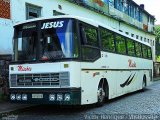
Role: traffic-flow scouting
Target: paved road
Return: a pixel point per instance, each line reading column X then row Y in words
column 140, row 105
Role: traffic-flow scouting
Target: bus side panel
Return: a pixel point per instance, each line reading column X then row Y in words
column 148, row 74
column 120, row 82
column 128, row 81
column 89, row 87
column 90, row 80
column 110, row 76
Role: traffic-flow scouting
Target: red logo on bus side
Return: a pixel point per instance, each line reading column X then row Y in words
column 22, row 68
column 131, row 63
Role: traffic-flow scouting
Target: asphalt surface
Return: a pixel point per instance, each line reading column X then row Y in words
column 141, row 105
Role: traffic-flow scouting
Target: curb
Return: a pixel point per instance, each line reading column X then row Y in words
column 10, row 107
column 156, row 79
column 11, row 110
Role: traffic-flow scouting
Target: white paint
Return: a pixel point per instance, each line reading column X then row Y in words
column 6, row 36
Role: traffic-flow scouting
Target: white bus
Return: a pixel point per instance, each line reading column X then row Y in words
column 70, row 60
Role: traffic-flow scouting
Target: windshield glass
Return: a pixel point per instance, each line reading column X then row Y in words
column 57, row 40
column 26, row 43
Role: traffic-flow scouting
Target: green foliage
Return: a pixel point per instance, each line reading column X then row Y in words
column 157, row 31
column 107, row 40
column 130, row 44
column 120, row 43
column 158, row 58
column 91, row 35
column 138, row 49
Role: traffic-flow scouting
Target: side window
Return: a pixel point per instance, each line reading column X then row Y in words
column 107, row 38
column 131, row 47
column 149, row 53
column 120, row 44
column 90, row 43
column 91, row 36
column 145, row 51
column 138, row 49
column 32, row 11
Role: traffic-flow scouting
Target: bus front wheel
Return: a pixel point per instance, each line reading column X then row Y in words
column 101, row 95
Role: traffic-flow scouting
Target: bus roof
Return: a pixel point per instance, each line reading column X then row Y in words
column 89, row 21
column 86, row 20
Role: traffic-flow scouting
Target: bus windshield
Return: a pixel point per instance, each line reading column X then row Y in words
column 52, row 39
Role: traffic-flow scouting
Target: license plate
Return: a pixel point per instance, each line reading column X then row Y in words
column 37, row 96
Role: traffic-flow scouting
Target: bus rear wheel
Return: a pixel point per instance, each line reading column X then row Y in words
column 101, row 95
column 144, row 83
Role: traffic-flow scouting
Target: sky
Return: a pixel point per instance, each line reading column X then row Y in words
column 152, row 7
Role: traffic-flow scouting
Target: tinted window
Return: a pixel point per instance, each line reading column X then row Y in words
column 149, row 53
column 131, row 47
column 90, row 44
column 120, row 44
column 27, row 45
column 107, row 38
column 90, row 35
column 60, row 42
column 138, row 49
column 145, row 51
column 90, row 53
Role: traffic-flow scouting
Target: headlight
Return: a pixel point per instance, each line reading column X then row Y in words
column 52, row 97
column 24, row 97
column 67, row 97
column 18, row 96
column 59, row 97
column 12, row 96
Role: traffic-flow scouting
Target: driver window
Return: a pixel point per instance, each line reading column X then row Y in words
column 90, row 44
column 89, row 35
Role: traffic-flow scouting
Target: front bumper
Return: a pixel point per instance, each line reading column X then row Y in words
column 75, row 95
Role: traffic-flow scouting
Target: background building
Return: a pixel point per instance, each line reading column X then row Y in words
column 123, row 15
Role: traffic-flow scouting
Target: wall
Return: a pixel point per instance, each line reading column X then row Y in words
column 6, row 35
column 6, row 29
column 18, row 13
column 5, row 9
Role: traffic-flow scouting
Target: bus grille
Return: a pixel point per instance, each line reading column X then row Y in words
column 40, row 80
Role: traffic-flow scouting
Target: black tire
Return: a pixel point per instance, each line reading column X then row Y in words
column 101, row 95
column 144, row 83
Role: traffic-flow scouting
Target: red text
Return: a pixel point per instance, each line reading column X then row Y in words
column 131, row 63
column 22, row 68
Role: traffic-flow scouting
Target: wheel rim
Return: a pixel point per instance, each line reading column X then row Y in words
column 101, row 94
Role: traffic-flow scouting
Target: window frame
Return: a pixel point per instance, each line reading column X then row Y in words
column 85, row 45
column 35, row 7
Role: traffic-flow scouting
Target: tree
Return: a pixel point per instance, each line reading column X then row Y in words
column 157, row 32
